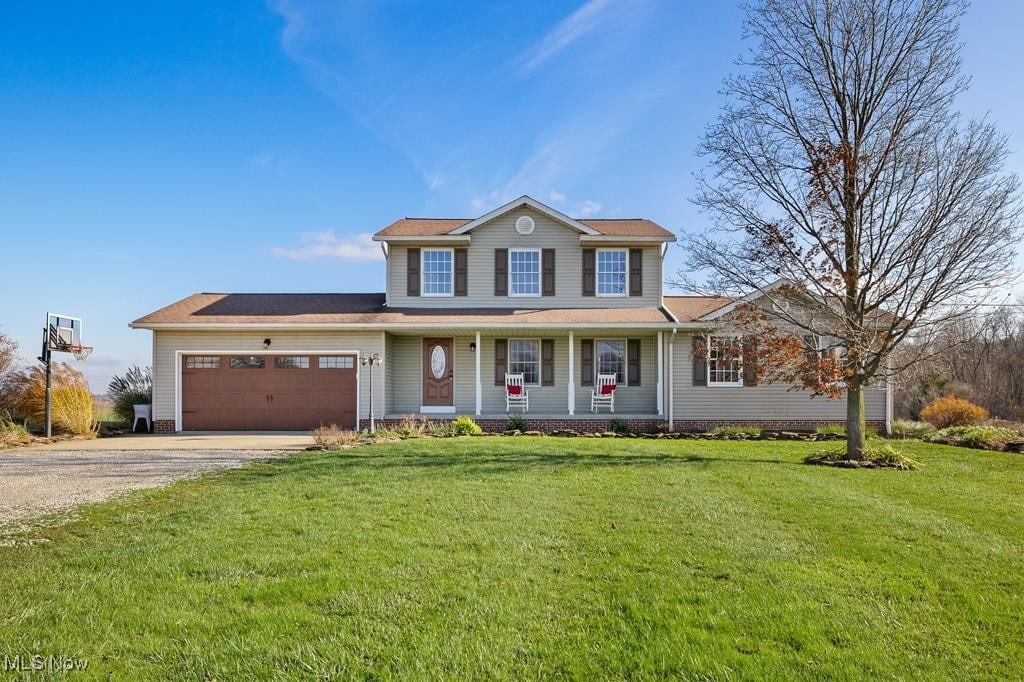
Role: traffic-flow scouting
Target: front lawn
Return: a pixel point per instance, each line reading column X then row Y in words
column 535, row 557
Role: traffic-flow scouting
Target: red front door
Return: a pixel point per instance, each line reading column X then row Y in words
column 438, row 373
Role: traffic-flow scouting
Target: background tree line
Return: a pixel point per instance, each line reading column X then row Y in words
column 978, row 356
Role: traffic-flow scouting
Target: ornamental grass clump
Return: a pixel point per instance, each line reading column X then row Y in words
column 981, row 437
column 70, row 398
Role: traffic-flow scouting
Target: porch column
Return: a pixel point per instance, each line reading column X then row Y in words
column 661, row 373
column 572, row 375
column 476, row 359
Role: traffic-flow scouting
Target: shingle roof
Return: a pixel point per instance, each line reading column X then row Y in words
column 613, row 227
column 691, row 308
column 211, row 308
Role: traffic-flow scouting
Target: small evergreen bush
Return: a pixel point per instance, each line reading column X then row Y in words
column 516, row 423
column 616, row 425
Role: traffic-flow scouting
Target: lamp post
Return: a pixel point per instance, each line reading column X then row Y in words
column 371, row 361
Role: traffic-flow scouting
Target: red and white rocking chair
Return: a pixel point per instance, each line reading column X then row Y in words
column 603, row 394
column 516, row 394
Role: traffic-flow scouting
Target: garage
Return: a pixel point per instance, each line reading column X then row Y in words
column 268, row 392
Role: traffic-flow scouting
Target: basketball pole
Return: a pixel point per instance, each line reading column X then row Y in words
column 47, row 354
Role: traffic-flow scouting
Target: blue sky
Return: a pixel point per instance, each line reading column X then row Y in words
column 152, row 150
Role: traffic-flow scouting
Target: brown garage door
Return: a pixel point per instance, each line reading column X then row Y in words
column 256, row 392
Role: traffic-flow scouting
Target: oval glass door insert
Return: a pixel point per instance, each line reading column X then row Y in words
column 438, row 362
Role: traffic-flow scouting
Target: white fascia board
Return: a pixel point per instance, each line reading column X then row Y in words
column 377, row 326
column 428, row 239
column 602, row 238
column 535, row 205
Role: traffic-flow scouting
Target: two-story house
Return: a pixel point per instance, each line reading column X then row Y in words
column 524, row 291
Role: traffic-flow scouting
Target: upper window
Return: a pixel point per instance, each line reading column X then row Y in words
column 524, row 358
column 524, row 272
column 611, row 359
column 725, row 361
column 437, row 272
column 611, row 272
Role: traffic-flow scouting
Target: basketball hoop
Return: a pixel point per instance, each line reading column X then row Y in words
column 80, row 352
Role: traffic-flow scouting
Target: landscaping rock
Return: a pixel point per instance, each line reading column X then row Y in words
column 532, row 433
column 1014, row 446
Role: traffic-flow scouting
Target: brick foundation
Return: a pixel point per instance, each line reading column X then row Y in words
column 643, row 425
column 163, row 426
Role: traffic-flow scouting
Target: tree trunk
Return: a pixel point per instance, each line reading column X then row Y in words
column 855, row 426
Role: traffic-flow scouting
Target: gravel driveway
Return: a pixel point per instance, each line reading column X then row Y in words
column 33, row 483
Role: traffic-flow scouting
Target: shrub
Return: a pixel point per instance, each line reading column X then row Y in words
column 616, row 425
column 980, row 437
column 12, row 433
column 413, row 428
column 465, row 426
column 135, row 387
column 516, row 423
column 889, row 455
column 736, row 432
column 952, row 411
column 71, row 400
column 334, row 437
column 905, row 428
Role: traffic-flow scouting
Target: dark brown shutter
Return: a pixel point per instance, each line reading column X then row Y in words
column 461, row 272
column 588, row 272
column 700, row 363
column 501, row 273
column 636, row 272
column 749, row 362
column 587, row 363
column 547, row 272
column 547, row 362
column 633, row 361
column 412, row 270
column 500, row 361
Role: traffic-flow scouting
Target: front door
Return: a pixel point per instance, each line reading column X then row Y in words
column 438, row 373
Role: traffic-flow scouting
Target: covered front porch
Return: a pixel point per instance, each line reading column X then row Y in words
column 443, row 373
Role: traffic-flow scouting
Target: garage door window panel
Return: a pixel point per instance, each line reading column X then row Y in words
column 291, row 362
column 337, row 362
column 247, row 362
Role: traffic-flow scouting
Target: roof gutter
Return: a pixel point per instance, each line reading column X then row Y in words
column 429, row 239
column 351, row 326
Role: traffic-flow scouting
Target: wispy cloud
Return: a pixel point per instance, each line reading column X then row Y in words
column 570, row 29
column 327, row 244
column 556, row 197
column 587, row 208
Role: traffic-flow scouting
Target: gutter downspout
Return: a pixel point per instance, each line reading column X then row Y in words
column 672, row 374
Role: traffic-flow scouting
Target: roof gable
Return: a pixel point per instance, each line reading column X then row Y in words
column 525, row 200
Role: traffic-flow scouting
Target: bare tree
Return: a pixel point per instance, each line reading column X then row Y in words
column 840, row 167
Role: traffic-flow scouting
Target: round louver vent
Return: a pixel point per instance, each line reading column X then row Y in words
column 524, row 224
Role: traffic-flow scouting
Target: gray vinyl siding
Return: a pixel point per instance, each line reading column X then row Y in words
column 167, row 343
column 766, row 401
column 406, row 377
column 500, row 233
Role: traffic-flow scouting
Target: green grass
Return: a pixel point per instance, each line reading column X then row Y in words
column 526, row 557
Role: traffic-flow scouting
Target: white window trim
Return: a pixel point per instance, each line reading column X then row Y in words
column 540, row 361
column 707, row 367
column 625, row 360
column 540, row 273
column 597, row 273
column 423, row 273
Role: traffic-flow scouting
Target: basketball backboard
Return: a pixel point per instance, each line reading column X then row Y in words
column 63, row 333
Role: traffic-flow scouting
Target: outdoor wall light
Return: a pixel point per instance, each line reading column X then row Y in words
column 472, row 346
column 266, row 344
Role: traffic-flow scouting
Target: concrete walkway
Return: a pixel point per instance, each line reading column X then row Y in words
column 263, row 440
